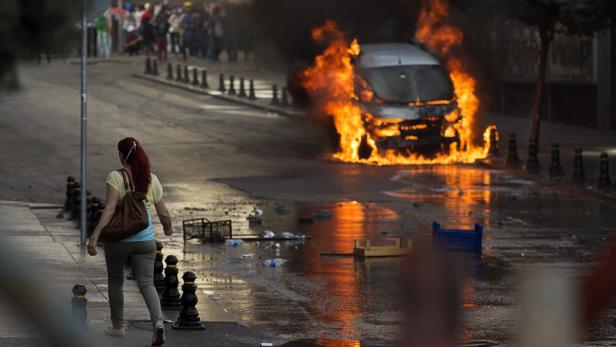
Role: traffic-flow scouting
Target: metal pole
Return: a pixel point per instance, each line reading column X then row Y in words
column 84, row 121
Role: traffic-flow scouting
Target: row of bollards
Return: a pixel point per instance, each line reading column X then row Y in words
column 167, row 288
column 170, row 298
column 556, row 171
column 182, row 74
column 72, row 205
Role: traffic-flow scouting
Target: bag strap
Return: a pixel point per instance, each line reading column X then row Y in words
column 128, row 182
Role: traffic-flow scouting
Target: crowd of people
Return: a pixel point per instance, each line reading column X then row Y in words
column 190, row 29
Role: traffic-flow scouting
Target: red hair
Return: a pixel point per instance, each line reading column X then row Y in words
column 133, row 154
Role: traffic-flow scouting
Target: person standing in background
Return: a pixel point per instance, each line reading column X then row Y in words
column 103, row 36
column 161, row 26
column 147, row 29
column 175, row 30
column 188, row 32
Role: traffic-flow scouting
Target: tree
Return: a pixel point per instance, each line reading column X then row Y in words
column 578, row 17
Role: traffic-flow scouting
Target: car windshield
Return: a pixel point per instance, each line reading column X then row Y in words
column 409, row 83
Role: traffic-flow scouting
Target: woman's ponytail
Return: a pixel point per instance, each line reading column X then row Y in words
column 133, row 154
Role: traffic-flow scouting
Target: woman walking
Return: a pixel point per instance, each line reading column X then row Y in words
column 140, row 247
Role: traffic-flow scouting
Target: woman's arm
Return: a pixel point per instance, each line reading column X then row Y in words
column 110, row 207
column 164, row 216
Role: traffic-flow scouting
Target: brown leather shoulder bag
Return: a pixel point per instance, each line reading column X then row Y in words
column 130, row 216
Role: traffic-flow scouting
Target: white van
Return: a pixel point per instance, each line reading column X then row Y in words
column 408, row 98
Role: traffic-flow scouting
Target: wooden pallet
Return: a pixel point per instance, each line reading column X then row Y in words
column 365, row 249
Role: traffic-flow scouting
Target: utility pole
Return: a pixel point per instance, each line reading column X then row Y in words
column 84, row 122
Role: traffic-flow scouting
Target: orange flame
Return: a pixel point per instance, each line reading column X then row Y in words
column 331, row 81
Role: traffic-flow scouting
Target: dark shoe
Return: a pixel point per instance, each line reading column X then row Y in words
column 158, row 337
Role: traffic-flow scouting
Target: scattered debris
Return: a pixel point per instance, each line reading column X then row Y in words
column 367, row 250
column 290, row 236
column 234, row 242
column 322, row 214
column 248, row 255
column 274, row 262
column 267, row 234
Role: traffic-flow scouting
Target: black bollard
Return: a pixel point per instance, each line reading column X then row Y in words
column 91, row 219
column 155, row 67
column 556, row 170
column 251, row 90
column 178, row 73
column 204, row 83
column 195, row 81
column 513, row 161
column 70, row 185
column 604, row 171
column 76, row 205
column 242, row 92
column 285, row 97
column 186, row 78
column 171, row 295
column 148, row 66
column 221, row 83
column 188, row 318
column 231, row 85
column 169, row 71
column 275, row 100
column 159, row 278
column 532, row 164
column 578, row 166
column 79, row 306
column 494, row 150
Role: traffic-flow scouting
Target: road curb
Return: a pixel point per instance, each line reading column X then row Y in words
column 291, row 112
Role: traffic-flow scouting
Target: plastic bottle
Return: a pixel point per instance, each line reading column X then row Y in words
column 274, row 262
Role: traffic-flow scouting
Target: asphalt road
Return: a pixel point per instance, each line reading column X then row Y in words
column 221, row 160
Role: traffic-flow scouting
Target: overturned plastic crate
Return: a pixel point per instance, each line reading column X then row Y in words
column 458, row 239
column 206, row 230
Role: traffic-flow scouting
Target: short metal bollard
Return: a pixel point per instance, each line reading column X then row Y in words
column 186, row 78
column 204, row 83
column 221, row 83
column 155, row 67
column 285, row 97
column 242, row 92
column 76, row 205
column 513, row 161
column 188, row 318
column 605, row 180
column 171, row 295
column 493, row 143
column 178, row 73
column 231, row 85
column 79, row 306
column 556, row 170
column 532, row 164
column 169, row 71
column 148, row 66
column 275, row 100
column 251, row 91
column 579, row 176
column 159, row 278
column 195, row 81
column 70, row 186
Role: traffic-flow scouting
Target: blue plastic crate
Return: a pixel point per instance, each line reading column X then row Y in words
column 458, row 239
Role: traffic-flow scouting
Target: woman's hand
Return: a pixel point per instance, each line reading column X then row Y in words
column 92, row 246
column 168, row 231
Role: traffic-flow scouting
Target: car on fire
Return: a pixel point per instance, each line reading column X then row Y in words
column 407, row 98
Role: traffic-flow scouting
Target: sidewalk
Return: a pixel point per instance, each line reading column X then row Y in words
column 53, row 245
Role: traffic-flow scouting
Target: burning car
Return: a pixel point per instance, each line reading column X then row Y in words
column 407, row 99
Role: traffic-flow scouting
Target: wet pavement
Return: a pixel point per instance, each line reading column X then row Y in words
column 527, row 225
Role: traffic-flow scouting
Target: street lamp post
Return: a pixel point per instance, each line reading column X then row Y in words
column 84, row 121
